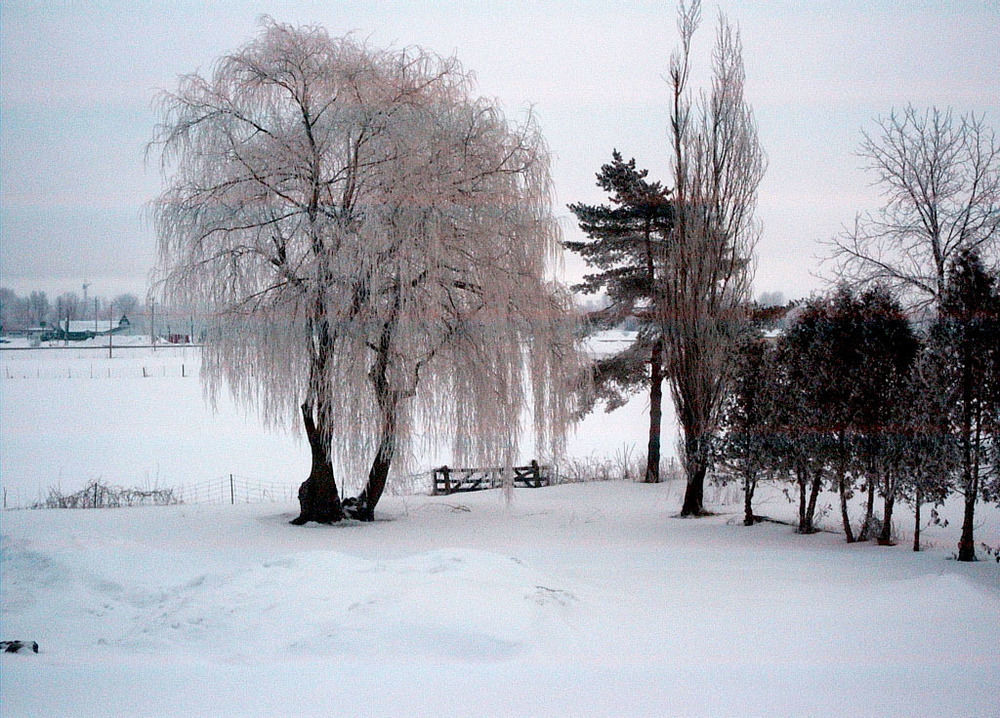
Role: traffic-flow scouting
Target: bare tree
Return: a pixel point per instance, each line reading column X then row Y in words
column 126, row 304
column 38, row 308
column 371, row 241
column 718, row 164
column 940, row 178
column 68, row 306
column 14, row 311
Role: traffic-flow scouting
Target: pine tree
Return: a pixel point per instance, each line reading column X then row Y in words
column 627, row 245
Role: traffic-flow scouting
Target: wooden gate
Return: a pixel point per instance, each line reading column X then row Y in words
column 450, row 481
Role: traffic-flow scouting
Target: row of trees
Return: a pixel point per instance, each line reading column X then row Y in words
column 853, row 397
column 36, row 309
column 676, row 262
column 372, row 241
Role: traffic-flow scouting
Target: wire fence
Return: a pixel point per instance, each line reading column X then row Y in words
column 228, row 489
column 56, row 370
column 233, row 489
column 238, row 489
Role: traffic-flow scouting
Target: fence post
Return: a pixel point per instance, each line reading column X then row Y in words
column 232, row 490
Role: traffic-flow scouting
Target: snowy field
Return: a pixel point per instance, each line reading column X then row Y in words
column 139, row 419
column 580, row 599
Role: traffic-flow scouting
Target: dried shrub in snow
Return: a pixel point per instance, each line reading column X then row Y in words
column 98, row 495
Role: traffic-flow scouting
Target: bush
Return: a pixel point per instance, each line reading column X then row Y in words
column 97, row 495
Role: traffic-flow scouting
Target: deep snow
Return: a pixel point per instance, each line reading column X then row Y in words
column 139, row 419
column 583, row 599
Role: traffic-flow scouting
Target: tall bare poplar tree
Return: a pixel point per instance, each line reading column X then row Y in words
column 371, row 241
column 718, row 164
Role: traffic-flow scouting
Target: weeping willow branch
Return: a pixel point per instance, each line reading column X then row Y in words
column 373, row 241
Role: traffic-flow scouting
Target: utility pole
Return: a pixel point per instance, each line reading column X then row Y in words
column 111, row 330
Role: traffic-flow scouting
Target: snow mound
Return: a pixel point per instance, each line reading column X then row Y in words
column 583, row 599
column 456, row 604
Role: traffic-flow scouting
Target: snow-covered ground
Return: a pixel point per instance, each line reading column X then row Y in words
column 70, row 416
column 580, row 599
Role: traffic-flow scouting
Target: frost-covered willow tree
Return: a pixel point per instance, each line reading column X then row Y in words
column 718, row 164
column 371, row 241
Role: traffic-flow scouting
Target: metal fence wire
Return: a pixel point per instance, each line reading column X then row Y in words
column 235, row 489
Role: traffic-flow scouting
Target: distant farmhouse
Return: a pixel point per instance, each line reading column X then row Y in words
column 78, row 330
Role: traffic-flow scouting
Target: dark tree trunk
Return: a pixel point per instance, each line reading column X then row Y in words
column 918, row 500
column 970, row 446
column 817, row 484
column 696, row 468
column 319, row 500
column 885, row 536
column 749, row 486
column 842, row 488
column 844, row 515
column 967, row 544
column 866, row 526
column 800, row 479
column 363, row 507
column 655, row 413
column 694, row 495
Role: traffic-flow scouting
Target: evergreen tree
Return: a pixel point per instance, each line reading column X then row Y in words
column 799, row 450
column 965, row 346
column 627, row 246
column 823, row 348
column 747, row 446
column 844, row 365
column 888, row 348
column 932, row 452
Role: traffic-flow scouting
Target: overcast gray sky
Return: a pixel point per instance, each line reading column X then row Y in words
column 79, row 78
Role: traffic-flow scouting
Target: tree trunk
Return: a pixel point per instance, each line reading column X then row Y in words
column 866, row 526
column 885, row 536
column 696, row 468
column 655, row 413
column 817, row 484
column 842, row 488
column 694, row 494
column 319, row 500
column 749, row 485
column 800, row 479
column 918, row 499
column 363, row 507
column 845, row 517
column 967, row 544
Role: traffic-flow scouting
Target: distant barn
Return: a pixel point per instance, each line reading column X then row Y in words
column 78, row 330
